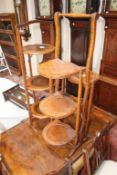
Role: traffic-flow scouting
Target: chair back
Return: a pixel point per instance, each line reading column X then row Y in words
column 82, row 110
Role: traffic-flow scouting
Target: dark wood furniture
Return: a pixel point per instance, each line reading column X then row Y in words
column 80, row 40
column 44, row 11
column 27, row 153
column 9, row 42
column 48, row 35
column 80, row 29
column 105, row 90
column 109, row 62
column 105, row 94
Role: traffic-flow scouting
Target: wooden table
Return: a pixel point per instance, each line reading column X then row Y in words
column 25, row 152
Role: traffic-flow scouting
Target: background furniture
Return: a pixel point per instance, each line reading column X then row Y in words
column 109, row 60
column 44, row 11
column 9, row 42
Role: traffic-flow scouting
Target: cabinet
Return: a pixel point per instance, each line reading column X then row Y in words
column 8, row 41
column 44, row 11
column 48, row 35
column 80, row 34
column 109, row 62
column 108, row 67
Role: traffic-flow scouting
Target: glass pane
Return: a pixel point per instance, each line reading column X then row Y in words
column 78, row 6
column 5, row 25
column 44, row 7
column 113, row 5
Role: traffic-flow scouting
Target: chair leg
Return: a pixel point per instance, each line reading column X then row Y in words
column 78, row 108
column 89, row 107
column 87, row 168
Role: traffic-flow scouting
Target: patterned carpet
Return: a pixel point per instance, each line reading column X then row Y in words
column 13, row 77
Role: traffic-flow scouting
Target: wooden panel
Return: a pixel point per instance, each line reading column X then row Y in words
column 109, row 61
column 48, row 36
column 112, row 23
column 105, row 96
column 110, row 48
column 79, row 41
column 79, row 47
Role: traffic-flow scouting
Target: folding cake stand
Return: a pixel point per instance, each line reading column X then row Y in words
column 58, row 106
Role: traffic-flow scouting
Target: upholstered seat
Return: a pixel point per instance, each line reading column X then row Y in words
column 108, row 167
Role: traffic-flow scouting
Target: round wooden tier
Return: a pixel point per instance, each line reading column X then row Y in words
column 37, row 83
column 36, row 111
column 57, row 106
column 38, row 49
column 57, row 133
column 58, row 69
column 75, row 78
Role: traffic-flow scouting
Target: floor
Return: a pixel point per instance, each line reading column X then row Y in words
column 113, row 131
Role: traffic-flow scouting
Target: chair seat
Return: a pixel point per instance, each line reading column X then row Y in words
column 107, row 168
column 38, row 83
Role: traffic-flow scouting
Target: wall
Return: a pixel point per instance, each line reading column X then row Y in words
column 6, row 6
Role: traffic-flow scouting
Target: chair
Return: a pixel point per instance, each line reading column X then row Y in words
column 83, row 78
column 53, row 69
